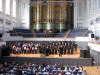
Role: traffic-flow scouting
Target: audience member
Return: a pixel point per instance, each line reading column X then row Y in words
column 43, row 69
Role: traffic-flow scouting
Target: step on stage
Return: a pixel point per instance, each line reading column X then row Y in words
column 51, row 59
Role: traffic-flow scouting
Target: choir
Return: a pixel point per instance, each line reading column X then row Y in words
column 45, row 47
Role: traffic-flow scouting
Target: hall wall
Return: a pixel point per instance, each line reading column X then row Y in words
column 93, row 16
column 21, row 19
column 86, row 15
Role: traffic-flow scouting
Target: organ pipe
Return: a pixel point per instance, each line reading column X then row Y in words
column 50, row 15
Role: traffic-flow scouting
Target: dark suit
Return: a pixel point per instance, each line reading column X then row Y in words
column 55, row 49
column 64, row 49
column 75, row 47
column 61, row 51
column 50, row 49
column 47, row 51
column 72, row 48
column 69, row 50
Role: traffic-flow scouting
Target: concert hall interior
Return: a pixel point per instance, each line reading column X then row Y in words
column 49, row 37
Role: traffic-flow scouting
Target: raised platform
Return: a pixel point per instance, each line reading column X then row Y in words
column 51, row 59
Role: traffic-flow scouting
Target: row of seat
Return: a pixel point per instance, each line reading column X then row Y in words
column 42, row 69
column 77, row 32
column 29, row 33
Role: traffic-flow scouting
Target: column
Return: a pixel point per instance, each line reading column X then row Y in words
column 38, row 25
column 18, row 14
column 62, row 15
column 4, row 15
column 48, row 16
column 11, row 13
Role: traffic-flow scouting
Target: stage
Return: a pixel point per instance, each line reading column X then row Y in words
column 51, row 59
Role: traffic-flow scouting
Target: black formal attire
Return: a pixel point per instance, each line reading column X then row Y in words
column 55, row 49
column 72, row 49
column 68, row 49
column 64, row 49
column 47, row 51
column 61, row 51
column 75, row 47
column 41, row 50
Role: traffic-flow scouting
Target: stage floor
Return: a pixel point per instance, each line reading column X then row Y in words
column 74, row 55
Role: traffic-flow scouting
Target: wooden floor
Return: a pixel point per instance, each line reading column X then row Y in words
column 74, row 55
column 92, row 70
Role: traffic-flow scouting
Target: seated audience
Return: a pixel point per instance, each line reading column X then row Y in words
column 42, row 69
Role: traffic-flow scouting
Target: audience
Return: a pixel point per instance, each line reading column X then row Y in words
column 43, row 69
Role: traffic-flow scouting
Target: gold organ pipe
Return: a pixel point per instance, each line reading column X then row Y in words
column 52, row 12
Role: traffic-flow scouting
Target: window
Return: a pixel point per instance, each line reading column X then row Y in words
column 14, row 8
column 0, row 5
column 98, row 4
column 8, row 7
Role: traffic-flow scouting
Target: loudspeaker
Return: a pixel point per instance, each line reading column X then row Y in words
column 82, row 52
column 92, row 35
column 5, row 51
column 85, row 53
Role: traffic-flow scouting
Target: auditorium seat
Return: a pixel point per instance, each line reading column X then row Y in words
column 21, row 32
column 28, row 33
column 60, row 34
column 41, row 69
column 78, row 32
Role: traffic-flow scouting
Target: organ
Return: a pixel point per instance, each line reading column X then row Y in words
column 51, row 15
